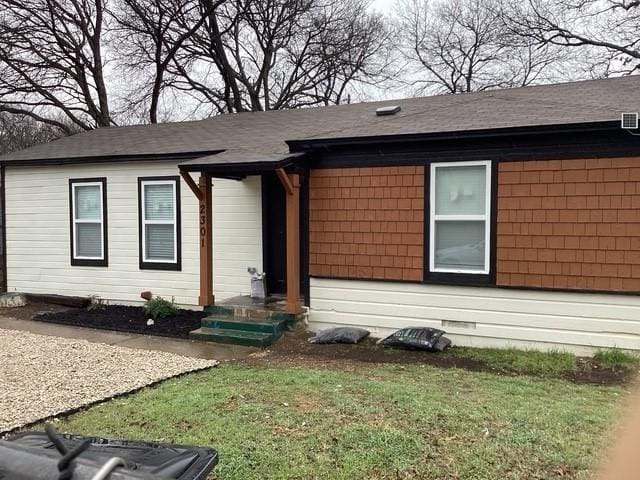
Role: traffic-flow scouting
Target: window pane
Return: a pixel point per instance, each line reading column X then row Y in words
column 158, row 202
column 88, row 202
column 461, row 190
column 459, row 245
column 159, row 242
column 89, row 240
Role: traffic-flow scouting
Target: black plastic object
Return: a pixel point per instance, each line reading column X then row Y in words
column 32, row 455
column 420, row 338
column 340, row 335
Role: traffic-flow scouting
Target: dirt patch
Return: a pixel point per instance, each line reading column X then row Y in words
column 30, row 310
column 125, row 319
column 293, row 349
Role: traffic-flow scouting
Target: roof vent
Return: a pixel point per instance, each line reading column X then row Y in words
column 629, row 120
column 390, row 110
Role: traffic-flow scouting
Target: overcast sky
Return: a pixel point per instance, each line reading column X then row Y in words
column 382, row 6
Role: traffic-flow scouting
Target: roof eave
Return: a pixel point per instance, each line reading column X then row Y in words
column 182, row 156
column 582, row 127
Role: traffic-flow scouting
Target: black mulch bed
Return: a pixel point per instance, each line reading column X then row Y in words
column 127, row 319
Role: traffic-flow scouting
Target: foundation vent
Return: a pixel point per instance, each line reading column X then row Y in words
column 457, row 324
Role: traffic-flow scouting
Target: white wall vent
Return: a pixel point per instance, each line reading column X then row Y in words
column 629, row 120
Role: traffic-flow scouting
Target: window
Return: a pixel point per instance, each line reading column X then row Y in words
column 460, row 205
column 87, row 200
column 159, row 214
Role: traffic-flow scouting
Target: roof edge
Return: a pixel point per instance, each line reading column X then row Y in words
column 309, row 144
column 108, row 159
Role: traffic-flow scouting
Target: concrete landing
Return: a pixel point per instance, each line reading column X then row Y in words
column 188, row 348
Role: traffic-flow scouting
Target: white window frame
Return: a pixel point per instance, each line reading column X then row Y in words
column 486, row 218
column 75, row 220
column 145, row 222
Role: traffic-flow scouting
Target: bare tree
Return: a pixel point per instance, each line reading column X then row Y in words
column 278, row 54
column 149, row 36
column 605, row 32
column 51, row 62
column 463, row 45
column 21, row 131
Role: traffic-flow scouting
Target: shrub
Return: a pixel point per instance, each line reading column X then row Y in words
column 158, row 307
column 95, row 303
column 615, row 358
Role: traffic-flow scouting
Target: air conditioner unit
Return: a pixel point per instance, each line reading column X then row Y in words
column 629, row 120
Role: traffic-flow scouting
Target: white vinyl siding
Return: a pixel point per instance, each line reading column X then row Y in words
column 238, row 207
column 481, row 316
column 159, row 221
column 87, row 220
column 459, row 226
column 37, row 201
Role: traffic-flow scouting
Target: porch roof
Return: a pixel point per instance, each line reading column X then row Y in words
column 240, row 162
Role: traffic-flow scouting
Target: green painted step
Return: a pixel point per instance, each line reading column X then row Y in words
column 274, row 327
column 236, row 337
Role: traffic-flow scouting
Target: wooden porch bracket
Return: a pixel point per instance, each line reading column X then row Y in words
column 285, row 180
column 291, row 185
column 206, row 240
column 186, row 176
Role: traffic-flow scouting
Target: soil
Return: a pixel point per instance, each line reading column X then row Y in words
column 294, row 348
column 30, row 310
column 126, row 319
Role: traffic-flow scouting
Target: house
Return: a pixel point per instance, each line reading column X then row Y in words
column 506, row 217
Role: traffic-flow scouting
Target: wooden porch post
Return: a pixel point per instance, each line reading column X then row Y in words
column 292, row 186
column 206, row 241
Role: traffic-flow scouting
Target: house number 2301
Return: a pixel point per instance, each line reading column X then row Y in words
column 203, row 225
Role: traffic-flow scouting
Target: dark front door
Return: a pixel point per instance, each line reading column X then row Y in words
column 274, row 231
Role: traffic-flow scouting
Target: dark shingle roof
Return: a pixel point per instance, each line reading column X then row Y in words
column 263, row 134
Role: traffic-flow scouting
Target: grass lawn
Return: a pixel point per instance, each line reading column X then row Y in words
column 368, row 421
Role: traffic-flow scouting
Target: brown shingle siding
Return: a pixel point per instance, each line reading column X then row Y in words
column 569, row 224
column 367, row 222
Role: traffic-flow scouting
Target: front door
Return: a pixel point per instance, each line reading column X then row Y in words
column 274, row 234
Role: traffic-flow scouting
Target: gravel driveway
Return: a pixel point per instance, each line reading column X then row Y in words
column 41, row 376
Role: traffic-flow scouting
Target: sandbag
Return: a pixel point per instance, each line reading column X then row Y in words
column 417, row 338
column 340, row 335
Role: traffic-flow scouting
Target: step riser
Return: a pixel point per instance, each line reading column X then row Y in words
column 239, row 324
column 249, row 313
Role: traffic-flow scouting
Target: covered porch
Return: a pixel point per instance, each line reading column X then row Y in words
column 284, row 176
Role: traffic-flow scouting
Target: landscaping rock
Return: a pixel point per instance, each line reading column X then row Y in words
column 13, row 299
column 43, row 376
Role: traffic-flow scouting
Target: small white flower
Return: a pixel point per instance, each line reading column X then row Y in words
column 150, row 322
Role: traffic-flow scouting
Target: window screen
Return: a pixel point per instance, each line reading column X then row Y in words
column 88, row 222
column 159, row 222
column 460, row 206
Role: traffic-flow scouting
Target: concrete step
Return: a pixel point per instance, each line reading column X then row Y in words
column 236, row 337
column 245, row 324
column 249, row 312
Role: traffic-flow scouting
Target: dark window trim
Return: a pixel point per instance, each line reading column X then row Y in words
column 82, row 262
column 471, row 279
column 174, row 266
column 4, row 284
